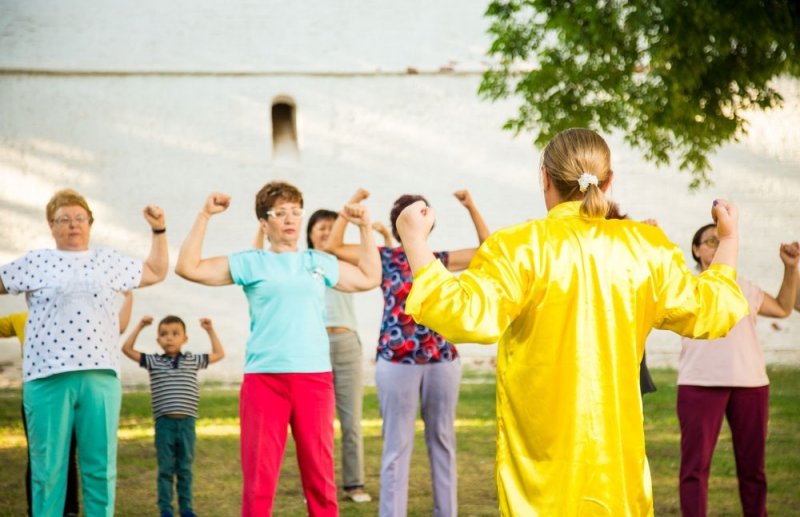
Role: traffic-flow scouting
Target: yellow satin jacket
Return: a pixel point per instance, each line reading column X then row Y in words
column 571, row 300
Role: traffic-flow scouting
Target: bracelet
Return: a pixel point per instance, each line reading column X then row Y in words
column 162, row 230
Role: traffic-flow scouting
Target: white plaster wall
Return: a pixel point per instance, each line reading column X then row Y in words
column 242, row 35
column 129, row 140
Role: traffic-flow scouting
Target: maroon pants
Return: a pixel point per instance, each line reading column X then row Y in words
column 268, row 404
column 700, row 411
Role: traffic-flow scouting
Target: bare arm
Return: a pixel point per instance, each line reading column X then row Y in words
column 781, row 305
column 414, row 224
column 217, row 352
column 125, row 311
column 797, row 300
column 206, row 271
column 127, row 347
column 385, row 233
column 258, row 240
column 335, row 244
column 157, row 262
column 2, row 287
column 366, row 274
column 460, row 259
column 726, row 215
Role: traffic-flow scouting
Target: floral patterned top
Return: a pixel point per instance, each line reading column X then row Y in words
column 402, row 340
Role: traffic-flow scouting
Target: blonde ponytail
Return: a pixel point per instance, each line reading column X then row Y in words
column 594, row 202
column 578, row 161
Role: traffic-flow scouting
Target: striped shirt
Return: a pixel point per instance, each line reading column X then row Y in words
column 173, row 382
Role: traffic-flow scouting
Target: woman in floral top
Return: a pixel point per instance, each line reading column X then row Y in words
column 415, row 365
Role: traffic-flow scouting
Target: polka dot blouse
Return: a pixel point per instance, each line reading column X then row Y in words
column 73, row 307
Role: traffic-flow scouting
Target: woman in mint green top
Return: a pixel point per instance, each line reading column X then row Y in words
column 288, row 380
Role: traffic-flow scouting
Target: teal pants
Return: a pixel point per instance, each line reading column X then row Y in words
column 175, row 439
column 88, row 401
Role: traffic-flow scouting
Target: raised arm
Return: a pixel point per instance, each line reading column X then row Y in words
column 125, row 311
column 477, row 306
column 127, row 347
column 781, row 305
column 366, row 274
column 217, row 352
column 258, row 240
column 385, row 233
column 191, row 265
column 726, row 215
column 414, row 224
column 460, row 259
column 157, row 262
column 797, row 300
column 708, row 306
column 335, row 244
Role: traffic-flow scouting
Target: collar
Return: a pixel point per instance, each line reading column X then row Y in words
column 175, row 360
column 568, row 209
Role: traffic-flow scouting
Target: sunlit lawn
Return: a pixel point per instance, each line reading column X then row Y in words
column 217, row 488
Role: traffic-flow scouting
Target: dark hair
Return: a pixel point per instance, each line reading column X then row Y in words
column 402, row 202
column 699, row 235
column 320, row 215
column 274, row 191
column 172, row 319
column 614, row 211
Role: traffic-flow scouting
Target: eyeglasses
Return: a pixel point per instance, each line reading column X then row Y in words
column 711, row 242
column 283, row 214
column 65, row 220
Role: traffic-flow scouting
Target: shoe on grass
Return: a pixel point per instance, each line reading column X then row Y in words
column 357, row 495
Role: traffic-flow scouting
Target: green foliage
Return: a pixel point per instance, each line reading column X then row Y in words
column 676, row 77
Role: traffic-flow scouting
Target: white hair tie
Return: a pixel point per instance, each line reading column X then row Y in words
column 587, row 179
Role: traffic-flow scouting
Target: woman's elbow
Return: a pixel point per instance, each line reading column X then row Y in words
column 181, row 271
column 373, row 280
column 186, row 272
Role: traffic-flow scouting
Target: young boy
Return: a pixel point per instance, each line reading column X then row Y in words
column 175, row 392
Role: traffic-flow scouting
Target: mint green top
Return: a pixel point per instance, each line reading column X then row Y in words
column 286, row 295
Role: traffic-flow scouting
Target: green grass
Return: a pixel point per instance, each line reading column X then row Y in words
column 218, row 477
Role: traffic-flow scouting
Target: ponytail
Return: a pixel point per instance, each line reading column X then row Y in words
column 578, row 162
column 594, row 202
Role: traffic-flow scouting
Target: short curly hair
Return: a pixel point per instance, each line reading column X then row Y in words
column 66, row 197
column 274, row 191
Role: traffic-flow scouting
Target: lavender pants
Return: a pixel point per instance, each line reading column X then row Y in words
column 401, row 388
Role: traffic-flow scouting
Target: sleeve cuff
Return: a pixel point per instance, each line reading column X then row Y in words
column 724, row 270
column 426, row 280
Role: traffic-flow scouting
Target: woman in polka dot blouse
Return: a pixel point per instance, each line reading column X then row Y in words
column 71, row 362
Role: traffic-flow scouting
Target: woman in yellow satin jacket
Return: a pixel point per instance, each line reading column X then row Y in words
column 571, row 299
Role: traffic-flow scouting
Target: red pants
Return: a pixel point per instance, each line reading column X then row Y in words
column 700, row 411
column 268, row 404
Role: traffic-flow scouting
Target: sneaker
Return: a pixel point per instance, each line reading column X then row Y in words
column 166, row 514
column 357, row 495
column 188, row 514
